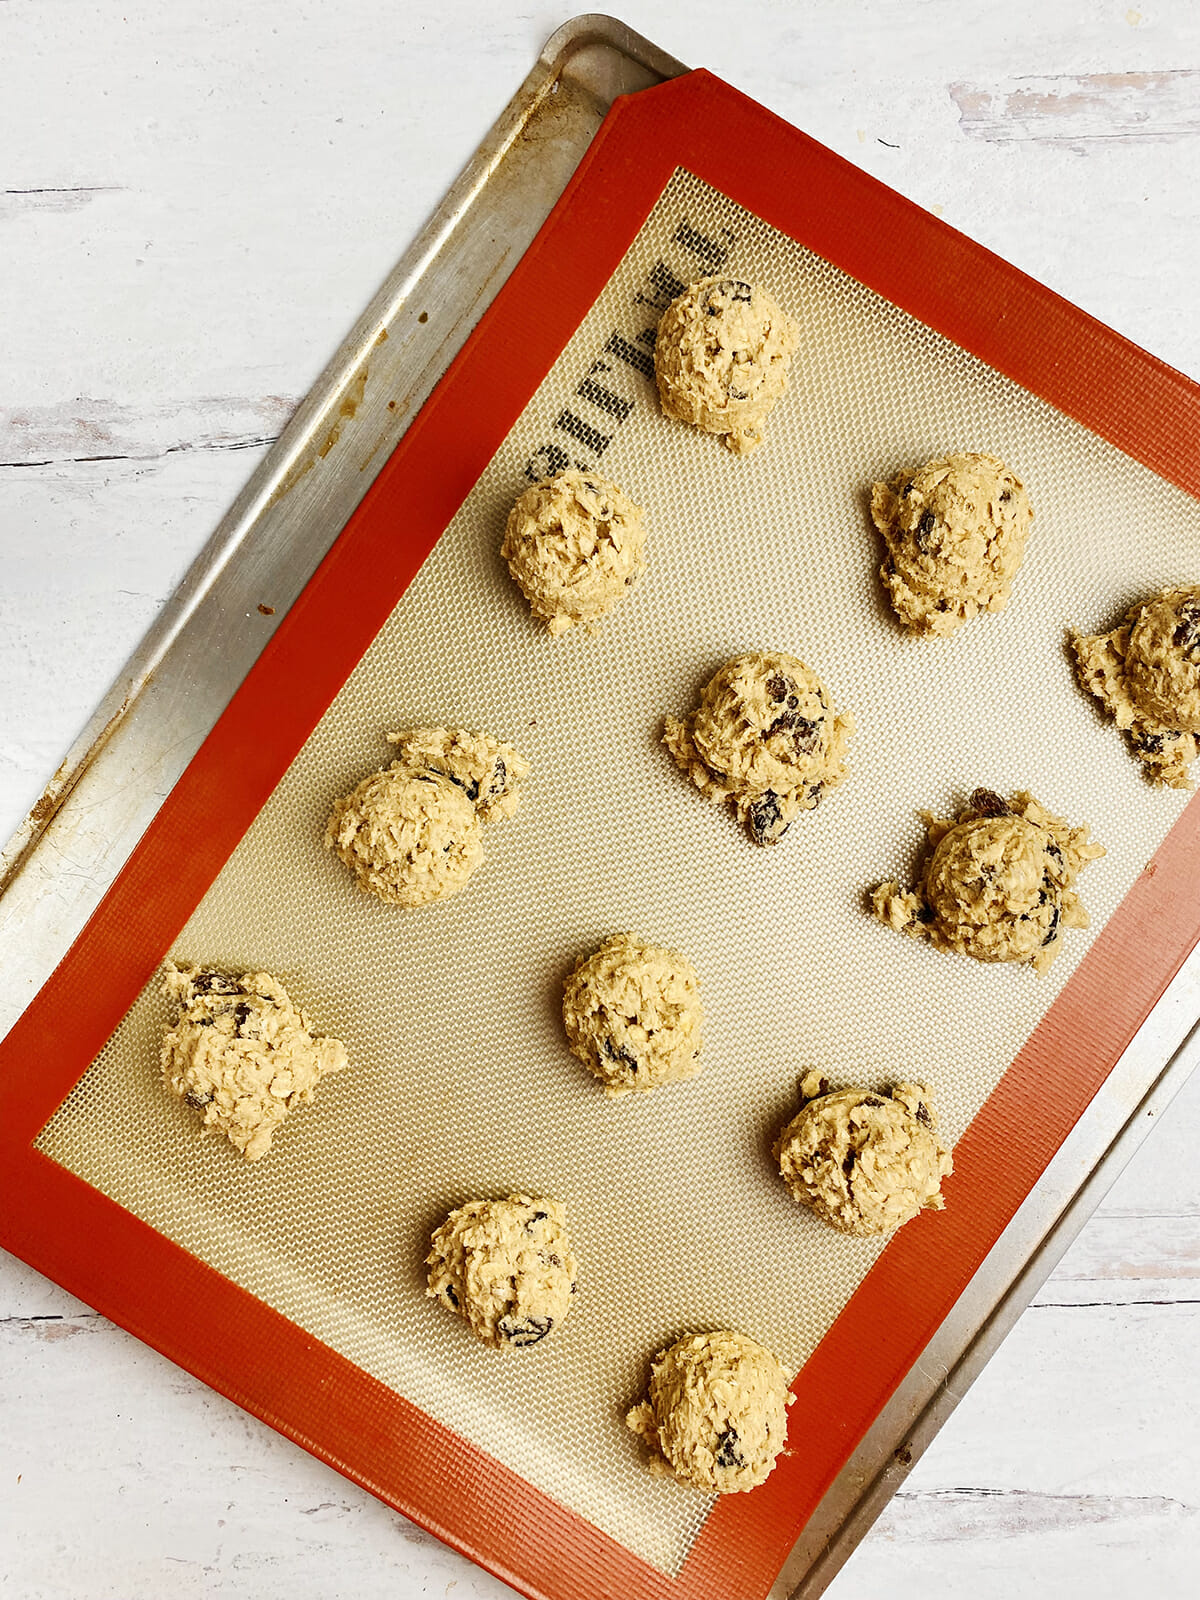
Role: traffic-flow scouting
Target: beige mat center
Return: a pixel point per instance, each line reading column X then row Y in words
column 461, row 1084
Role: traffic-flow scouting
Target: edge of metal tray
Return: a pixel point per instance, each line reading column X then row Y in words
column 75, row 840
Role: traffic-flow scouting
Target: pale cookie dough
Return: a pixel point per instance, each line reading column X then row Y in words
column 722, row 357
column 716, row 1413
column 506, row 1268
column 998, row 884
column 1147, row 673
column 411, row 834
column 955, row 532
column 240, row 1052
column 575, row 544
column 864, row 1162
column 765, row 738
column 633, row 1015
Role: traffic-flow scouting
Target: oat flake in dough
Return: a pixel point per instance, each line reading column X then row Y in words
column 574, row 544
column 1147, row 674
column 716, row 1413
column 411, row 834
column 764, row 738
column 633, row 1015
column 721, row 359
column 242, row 1054
column 998, row 884
column 506, row 1268
column 955, row 531
column 864, row 1162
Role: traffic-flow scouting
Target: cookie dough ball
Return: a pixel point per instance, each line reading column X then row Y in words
column 955, row 531
column 864, row 1162
column 716, row 1413
column 998, row 884
column 412, row 833
column 633, row 1015
column 242, row 1054
column 1147, row 674
column 764, row 738
column 506, row 1268
column 722, row 357
column 575, row 544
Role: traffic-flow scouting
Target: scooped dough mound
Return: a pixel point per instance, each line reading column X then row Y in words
column 240, row 1052
column 765, row 738
column 411, row 834
column 722, row 357
column 716, row 1413
column 998, row 884
column 864, row 1162
column 575, row 544
column 506, row 1268
column 633, row 1015
column 955, row 531
column 1147, row 674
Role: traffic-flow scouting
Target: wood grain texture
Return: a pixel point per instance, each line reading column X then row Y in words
column 196, row 202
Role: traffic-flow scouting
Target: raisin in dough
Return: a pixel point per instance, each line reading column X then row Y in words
column 716, row 1413
column 242, row 1053
column 765, row 738
column 412, row 833
column 1147, row 674
column 633, row 1015
column 998, row 884
column 575, row 544
column 864, row 1162
column 955, row 531
column 506, row 1268
column 721, row 359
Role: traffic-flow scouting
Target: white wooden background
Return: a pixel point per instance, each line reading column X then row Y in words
column 195, row 201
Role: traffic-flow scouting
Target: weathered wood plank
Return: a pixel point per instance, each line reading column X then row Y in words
column 1071, row 108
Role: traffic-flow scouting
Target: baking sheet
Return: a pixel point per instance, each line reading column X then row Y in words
column 461, row 1082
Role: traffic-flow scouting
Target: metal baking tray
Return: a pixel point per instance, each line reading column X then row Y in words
column 60, row 864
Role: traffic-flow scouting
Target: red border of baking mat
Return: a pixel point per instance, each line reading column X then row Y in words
column 268, row 1365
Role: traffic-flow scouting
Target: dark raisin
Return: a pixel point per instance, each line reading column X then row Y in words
column 923, row 529
column 593, row 487
column 472, row 792
column 1052, row 931
column 984, row 803
column 619, row 1054
column 729, row 289
column 451, row 1296
column 822, row 1088
column 499, row 779
column 764, row 821
column 522, row 1331
column 197, row 1098
column 215, row 983
column 922, row 1114
column 925, row 914
column 551, row 1258
column 241, row 1015
column 738, row 394
column 806, row 735
column 1187, row 632
column 779, row 687
column 203, row 1022
column 1149, row 744
column 872, row 1100
column 909, row 489
column 848, row 1161
column 727, row 1449
column 1005, row 496
column 538, row 1216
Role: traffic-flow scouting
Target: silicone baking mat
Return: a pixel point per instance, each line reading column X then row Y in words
column 461, row 1084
